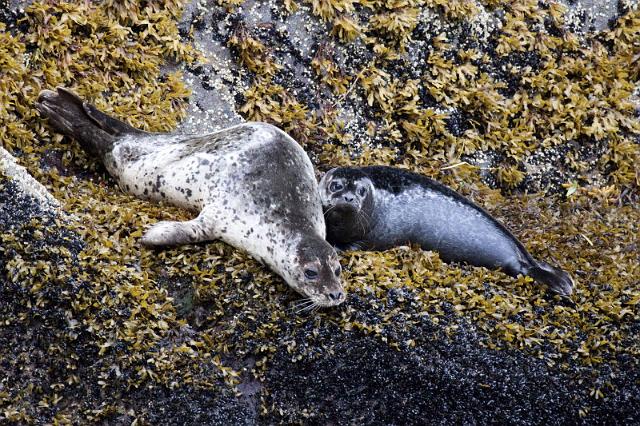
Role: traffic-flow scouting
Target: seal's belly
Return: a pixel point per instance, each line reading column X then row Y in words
column 455, row 230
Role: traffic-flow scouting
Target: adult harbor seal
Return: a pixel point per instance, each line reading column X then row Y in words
column 253, row 186
column 378, row 207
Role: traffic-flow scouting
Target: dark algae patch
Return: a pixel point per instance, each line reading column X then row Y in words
column 443, row 380
column 507, row 102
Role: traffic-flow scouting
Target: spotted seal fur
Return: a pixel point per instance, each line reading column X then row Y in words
column 379, row 207
column 253, row 186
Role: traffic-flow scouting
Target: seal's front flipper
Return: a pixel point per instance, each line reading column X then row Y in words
column 172, row 233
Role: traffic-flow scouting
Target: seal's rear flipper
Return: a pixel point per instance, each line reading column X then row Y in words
column 558, row 280
column 111, row 125
column 73, row 117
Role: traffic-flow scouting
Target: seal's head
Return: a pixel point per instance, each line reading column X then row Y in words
column 315, row 272
column 347, row 197
column 346, row 189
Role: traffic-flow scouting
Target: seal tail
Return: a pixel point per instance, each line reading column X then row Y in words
column 558, row 280
column 70, row 115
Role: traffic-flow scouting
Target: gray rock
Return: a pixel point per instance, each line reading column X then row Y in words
column 596, row 13
column 25, row 182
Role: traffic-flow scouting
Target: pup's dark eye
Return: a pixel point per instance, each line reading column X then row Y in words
column 335, row 186
column 337, row 271
column 361, row 191
column 310, row 274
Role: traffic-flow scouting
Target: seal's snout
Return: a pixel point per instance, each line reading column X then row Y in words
column 333, row 293
column 336, row 296
column 341, row 207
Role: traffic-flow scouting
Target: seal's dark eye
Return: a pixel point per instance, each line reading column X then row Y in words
column 361, row 191
column 310, row 274
column 335, row 186
column 337, row 271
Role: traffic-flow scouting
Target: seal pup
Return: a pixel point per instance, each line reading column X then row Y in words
column 253, row 186
column 379, row 207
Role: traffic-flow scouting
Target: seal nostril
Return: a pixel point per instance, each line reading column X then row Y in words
column 336, row 295
column 348, row 198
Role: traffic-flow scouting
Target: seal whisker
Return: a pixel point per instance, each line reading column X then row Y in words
column 301, row 310
column 303, row 300
column 362, row 222
column 364, row 217
column 301, row 303
column 329, row 209
column 307, row 308
column 313, row 309
column 356, row 246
